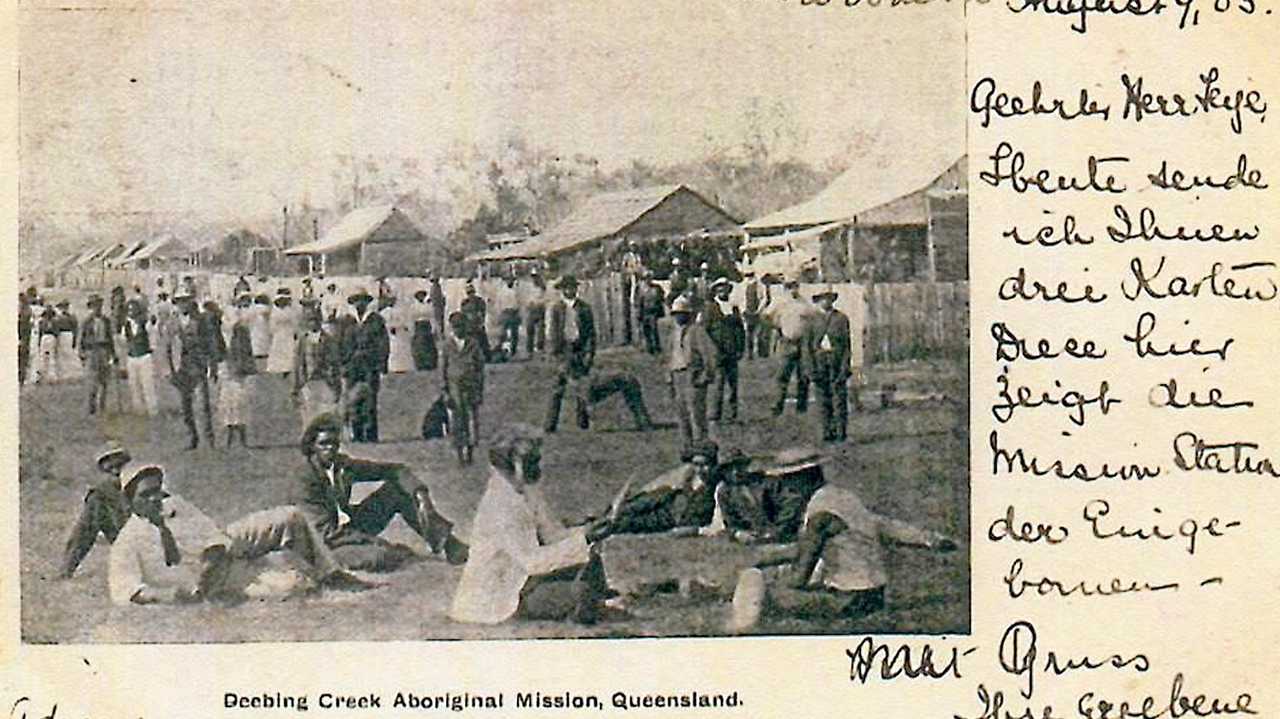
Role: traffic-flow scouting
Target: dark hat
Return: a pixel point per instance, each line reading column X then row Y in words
column 567, row 282
column 146, row 471
column 63, row 303
column 828, row 290
column 94, row 299
column 359, row 294
column 420, row 294
column 262, row 299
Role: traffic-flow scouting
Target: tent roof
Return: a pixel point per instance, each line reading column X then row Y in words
column 350, row 231
column 602, row 215
column 129, row 251
column 867, row 186
column 159, row 249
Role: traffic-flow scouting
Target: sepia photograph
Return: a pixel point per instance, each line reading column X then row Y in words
column 411, row 321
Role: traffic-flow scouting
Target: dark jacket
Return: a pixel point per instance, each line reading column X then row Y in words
column 726, row 331
column 365, row 348
column 95, row 338
column 320, row 499
column 191, row 349
column 652, row 300
column 240, row 361
column 834, row 327
column 580, row 354
column 463, row 370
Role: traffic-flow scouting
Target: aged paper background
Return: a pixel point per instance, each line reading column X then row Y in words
column 1222, row 637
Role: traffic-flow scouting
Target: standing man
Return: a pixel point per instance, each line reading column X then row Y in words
column 507, row 304
column 463, row 370
column 188, row 357
column 138, row 362
column 367, row 347
column 691, row 368
column 792, row 316
column 573, row 339
column 723, row 323
column 535, row 314
column 652, row 303
column 757, row 296
column 830, row 340
column 475, row 308
column 632, row 276
column 97, row 354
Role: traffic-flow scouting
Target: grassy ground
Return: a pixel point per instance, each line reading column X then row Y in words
column 908, row 462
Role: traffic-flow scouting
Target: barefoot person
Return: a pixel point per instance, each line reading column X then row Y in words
column 351, row 529
column 524, row 563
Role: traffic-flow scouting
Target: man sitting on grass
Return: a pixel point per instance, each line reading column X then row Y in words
column 351, row 529
column 170, row 552
column 838, row 572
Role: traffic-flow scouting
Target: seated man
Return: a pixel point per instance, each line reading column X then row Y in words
column 524, row 563
column 838, row 572
column 172, row 553
column 767, row 506
column 352, row 530
column 105, row 509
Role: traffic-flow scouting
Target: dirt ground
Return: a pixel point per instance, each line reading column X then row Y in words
column 908, row 461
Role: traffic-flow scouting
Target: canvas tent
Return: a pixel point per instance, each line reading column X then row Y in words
column 376, row 240
column 161, row 253
column 893, row 219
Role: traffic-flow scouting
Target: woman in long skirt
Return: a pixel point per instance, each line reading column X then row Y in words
column 317, row 370
column 425, row 355
column 241, row 367
column 284, row 334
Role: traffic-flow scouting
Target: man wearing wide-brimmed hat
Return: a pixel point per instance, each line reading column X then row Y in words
column 104, row 511
column 839, row 570
column 831, row 344
column 97, row 353
column 366, row 349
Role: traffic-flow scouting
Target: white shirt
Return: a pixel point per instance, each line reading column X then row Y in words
column 513, row 538
column 571, row 333
column 854, row 559
column 137, row 555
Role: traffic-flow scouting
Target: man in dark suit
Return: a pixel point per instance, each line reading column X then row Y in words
column 366, row 347
column 351, row 529
column 653, row 306
column 723, row 323
column 573, row 340
column 97, row 353
column 189, row 355
column 831, row 344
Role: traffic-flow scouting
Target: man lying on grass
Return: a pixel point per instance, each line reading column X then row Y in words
column 170, row 552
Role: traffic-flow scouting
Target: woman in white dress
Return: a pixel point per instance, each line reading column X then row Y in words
column 399, row 325
column 284, row 334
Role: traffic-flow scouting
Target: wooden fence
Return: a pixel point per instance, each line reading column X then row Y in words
column 897, row 321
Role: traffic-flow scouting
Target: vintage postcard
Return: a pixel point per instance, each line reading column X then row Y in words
column 540, row 358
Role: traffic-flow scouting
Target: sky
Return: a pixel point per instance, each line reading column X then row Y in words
column 225, row 109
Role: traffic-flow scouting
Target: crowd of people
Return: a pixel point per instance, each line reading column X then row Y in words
column 331, row 351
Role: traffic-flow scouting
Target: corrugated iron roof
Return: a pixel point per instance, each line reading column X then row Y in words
column 350, row 231
column 600, row 216
column 865, row 188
